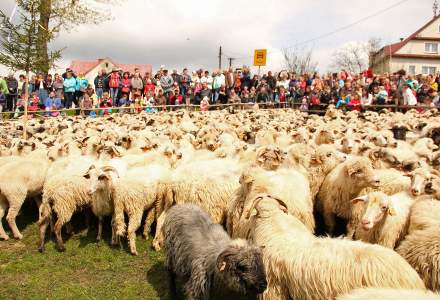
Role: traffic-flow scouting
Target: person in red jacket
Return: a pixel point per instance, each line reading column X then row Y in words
column 149, row 86
column 114, row 81
column 355, row 102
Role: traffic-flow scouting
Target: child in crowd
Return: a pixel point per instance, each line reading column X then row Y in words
column 123, row 102
column 106, row 102
column 204, row 104
column 343, row 100
column 304, row 104
column 382, row 96
column 86, row 105
column 355, row 102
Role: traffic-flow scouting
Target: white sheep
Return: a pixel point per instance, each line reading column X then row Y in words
column 384, row 219
column 388, row 294
column 340, row 186
column 302, row 266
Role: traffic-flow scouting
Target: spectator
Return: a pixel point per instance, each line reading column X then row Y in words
column 166, row 82
column 69, row 90
column 52, row 103
column 41, row 88
column 343, row 100
column 205, row 91
column 123, row 102
column 137, row 84
column 222, row 95
column 204, row 104
column 21, row 83
column 184, row 82
column 4, row 87
column 233, row 97
column 11, row 96
column 58, row 86
column 355, row 102
column 34, row 104
column 2, row 103
column 408, row 95
column 114, row 83
column 105, row 102
column 99, row 84
column 81, row 85
column 86, row 105
column 382, row 96
column 125, row 86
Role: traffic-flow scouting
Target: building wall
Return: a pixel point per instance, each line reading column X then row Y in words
column 105, row 64
column 431, row 31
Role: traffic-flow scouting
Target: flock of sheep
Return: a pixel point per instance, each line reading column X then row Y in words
column 276, row 202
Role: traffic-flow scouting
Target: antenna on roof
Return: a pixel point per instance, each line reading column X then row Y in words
column 435, row 8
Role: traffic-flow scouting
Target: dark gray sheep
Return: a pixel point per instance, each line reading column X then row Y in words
column 206, row 258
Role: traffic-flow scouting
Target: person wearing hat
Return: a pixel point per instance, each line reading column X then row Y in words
column 114, row 82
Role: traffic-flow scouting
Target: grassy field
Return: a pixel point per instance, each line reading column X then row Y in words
column 87, row 270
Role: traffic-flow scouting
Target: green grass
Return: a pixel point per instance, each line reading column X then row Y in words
column 87, row 270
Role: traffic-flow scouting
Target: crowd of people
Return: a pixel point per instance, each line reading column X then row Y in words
column 135, row 92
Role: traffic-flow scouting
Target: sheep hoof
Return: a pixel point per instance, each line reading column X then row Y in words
column 134, row 253
column 4, row 237
column 41, row 249
column 18, row 236
column 61, row 249
column 146, row 237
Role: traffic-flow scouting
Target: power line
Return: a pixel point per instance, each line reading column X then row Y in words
column 343, row 28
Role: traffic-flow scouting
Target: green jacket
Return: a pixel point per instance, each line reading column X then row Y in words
column 3, row 86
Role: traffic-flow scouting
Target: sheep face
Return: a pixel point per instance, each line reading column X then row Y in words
column 377, row 206
column 399, row 132
column 270, row 158
column 419, row 179
column 361, row 171
column 432, row 187
column 100, row 179
column 241, row 268
column 328, row 157
column 379, row 141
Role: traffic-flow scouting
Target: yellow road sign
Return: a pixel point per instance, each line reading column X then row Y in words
column 260, row 57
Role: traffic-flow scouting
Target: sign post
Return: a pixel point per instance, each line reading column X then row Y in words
column 260, row 56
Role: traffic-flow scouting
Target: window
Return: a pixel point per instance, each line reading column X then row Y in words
column 431, row 47
column 428, row 70
column 412, row 70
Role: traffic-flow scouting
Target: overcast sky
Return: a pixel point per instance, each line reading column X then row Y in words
column 188, row 33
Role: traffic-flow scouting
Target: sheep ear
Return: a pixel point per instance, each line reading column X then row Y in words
column 360, row 199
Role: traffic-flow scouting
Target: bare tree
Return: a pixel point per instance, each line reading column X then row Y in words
column 299, row 60
column 354, row 57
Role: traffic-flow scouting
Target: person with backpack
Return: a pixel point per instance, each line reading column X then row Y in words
column 114, row 82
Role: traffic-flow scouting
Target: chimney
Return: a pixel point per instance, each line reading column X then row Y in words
column 401, row 39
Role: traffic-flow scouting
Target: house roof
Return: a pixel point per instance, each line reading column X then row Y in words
column 86, row 66
column 393, row 48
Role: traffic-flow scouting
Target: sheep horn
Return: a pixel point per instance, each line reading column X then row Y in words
column 110, row 169
column 254, row 203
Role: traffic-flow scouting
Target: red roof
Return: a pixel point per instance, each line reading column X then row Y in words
column 86, row 66
column 397, row 46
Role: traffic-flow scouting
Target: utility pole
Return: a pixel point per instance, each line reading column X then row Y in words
column 230, row 61
column 220, row 58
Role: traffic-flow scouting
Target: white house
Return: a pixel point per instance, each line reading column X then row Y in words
column 417, row 54
column 91, row 68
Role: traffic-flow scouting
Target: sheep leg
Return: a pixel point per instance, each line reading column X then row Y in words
column 3, row 208
column 43, row 227
column 58, row 226
column 14, row 207
column 98, row 237
column 149, row 221
column 133, row 224
column 69, row 228
column 158, row 239
column 330, row 222
column 172, row 283
column 115, row 238
column 198, row 285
